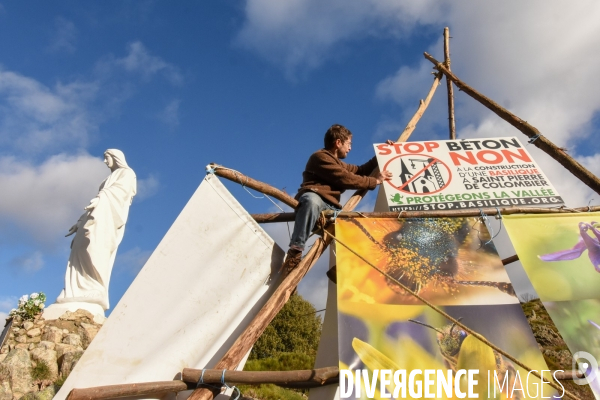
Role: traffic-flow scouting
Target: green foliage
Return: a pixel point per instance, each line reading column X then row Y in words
column 296, row 329
column 41, row 371
column 59, row 382
column 29, row 306
column 270, row 392
column 282, row 362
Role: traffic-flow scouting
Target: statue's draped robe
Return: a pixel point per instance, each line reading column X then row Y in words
column 98, row 235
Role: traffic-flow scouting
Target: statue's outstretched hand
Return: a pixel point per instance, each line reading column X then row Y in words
column 93, row 204
column 72, row 230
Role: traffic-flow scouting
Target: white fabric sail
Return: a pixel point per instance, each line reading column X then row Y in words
column 201, row 287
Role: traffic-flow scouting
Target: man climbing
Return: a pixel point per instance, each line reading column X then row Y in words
column 324, row 179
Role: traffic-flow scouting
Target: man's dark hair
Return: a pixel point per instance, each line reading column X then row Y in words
column 334, row 133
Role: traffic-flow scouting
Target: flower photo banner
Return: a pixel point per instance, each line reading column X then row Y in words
column 560, row 253
column 561, row 256
column 448, row 261
column 452, row 263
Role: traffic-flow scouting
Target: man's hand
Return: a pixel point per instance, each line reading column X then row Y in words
column 386, row 175
column 93, row 204
column 383, row 176
column 72, row 230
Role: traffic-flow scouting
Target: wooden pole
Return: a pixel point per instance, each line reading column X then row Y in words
column 303, row 379
column 568, row 375
column 510, row 260
column 317, row 376
column 423, row 104
column 451, row 124
column 489, row 211
column 246, row 340
column 273, row 217
column 127, row 390
column 530, row 131
column 259, row 186
column 410, row 127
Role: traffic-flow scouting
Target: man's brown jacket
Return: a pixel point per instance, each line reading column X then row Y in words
column 329, row 177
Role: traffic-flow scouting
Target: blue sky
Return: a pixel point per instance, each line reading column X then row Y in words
column 253, row 85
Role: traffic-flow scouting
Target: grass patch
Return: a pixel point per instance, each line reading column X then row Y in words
column 41, row 371
column 282, row 362
column 270, row 392
column 59, row 382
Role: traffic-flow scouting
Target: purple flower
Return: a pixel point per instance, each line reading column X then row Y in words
column 591, row 243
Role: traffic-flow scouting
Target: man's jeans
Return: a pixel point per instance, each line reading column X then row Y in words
column 307, row 213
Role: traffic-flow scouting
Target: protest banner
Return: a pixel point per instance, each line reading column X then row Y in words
column 461, row 174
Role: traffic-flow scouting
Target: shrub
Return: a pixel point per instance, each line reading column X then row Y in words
column 29, row 306
column 282, row 362
column 295, row 329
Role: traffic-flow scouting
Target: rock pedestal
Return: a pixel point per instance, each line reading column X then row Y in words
column 39, row 354
column 56, row 310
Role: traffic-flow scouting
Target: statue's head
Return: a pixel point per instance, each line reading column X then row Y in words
column 114, row 159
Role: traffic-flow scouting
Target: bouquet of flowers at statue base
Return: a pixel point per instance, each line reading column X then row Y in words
column 29, row 306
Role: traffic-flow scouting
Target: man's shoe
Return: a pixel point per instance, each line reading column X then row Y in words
column 292, row 260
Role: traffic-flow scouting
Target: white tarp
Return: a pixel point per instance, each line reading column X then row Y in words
column 201, row 287
column 327, row 354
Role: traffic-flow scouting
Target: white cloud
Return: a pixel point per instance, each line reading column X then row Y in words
column 29, row 262
column 536, row 62
column 132, row 260
column 6, row 304
column 139, row 60
column 45, row 192
column 35, row 118
column 64, row 36
column 170, row 114
column 533, row 58
column 300, row 35
column 147, row 187
column 45, row 200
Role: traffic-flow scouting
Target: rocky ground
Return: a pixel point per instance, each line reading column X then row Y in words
column 38, row 355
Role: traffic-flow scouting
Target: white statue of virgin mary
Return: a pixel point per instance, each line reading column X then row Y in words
column 98, row 234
